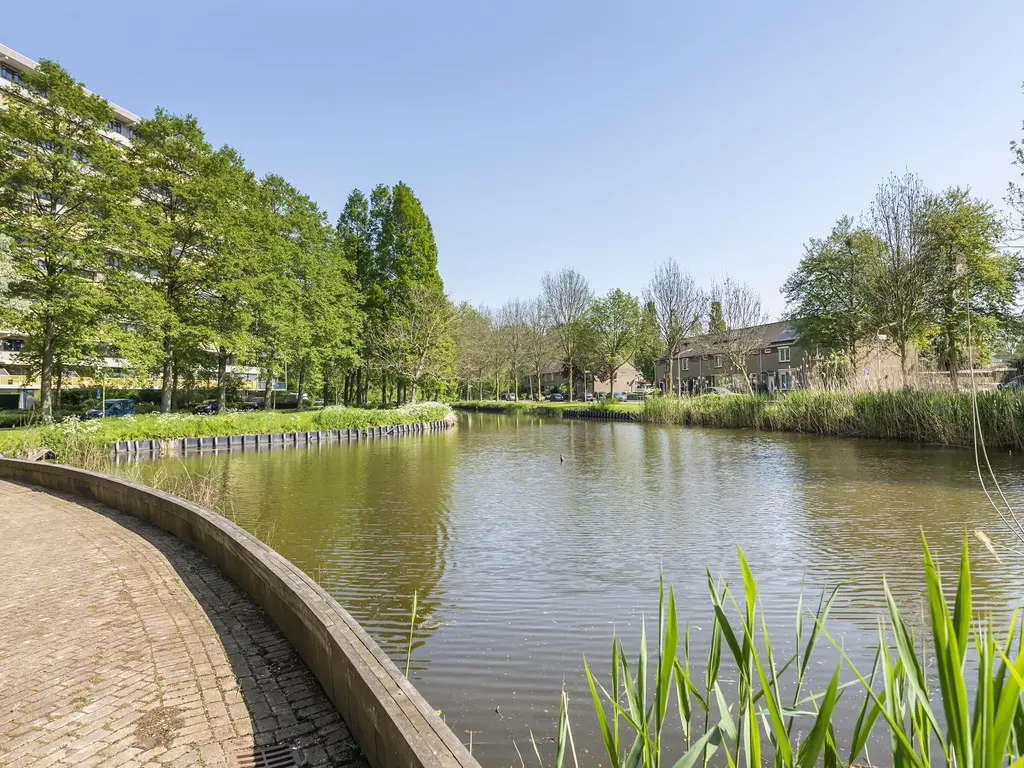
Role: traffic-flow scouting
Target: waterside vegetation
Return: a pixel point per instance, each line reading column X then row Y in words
column 748, row 707
column 937, row 418
column 81, row 442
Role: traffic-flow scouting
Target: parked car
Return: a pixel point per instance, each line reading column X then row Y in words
column 119, row 407
column 1014, row 383
column 556, row 397
column 256, row 404
column 206, row 408
column 588, row 396
column 716, row 391
column 508, row 396
column 620, row 396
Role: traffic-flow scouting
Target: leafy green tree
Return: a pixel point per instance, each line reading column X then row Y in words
column 186, row 216
column 323, row 298
column 615, row 322
column 472, row 342
column 973, row 285
column 64, row 188
column 828, row 296
column 716, row 320
column 418, row 342
column 513, row 339
column 10, row 308
column 648, row 345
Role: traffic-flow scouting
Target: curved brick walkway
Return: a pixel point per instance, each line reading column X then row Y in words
column 120, row 645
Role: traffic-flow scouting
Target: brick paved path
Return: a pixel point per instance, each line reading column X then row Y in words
column 120, row 645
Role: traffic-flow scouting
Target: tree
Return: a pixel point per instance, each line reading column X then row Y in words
column 63, row 191
column 472, row 340
column 10, row 308
column 540, row 349
column 566, row 296
column 615, row 323
column 735, row 328
column 898, row 283
column 1015, row 195
column 677, row 301
column 513, row 337
column 973, row 284
column 828, row 296
column 186, row 215
column 418, row 342
column 648, row 345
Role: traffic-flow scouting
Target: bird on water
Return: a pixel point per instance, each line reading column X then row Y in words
column 561, row 458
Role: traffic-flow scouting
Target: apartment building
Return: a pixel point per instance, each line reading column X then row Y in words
column 17, row 387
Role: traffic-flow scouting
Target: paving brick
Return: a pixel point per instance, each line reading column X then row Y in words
column 122, row 646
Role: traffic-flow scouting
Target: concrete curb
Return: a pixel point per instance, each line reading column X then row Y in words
column 599, row 415
column 179, row 446
column 392, row 723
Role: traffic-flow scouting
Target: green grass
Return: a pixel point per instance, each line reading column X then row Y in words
column 941, row 418
column 544, row 408
column 744, row 706
column 74, row 441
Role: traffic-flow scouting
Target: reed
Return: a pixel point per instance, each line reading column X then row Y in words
column 940, row 418
column 972, row 716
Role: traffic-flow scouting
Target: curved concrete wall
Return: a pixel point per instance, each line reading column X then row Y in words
column 390, row 720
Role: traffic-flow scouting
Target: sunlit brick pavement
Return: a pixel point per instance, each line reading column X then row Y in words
column 120, row 645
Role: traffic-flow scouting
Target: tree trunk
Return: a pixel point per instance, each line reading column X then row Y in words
column 167, row 376
column 359, row 385
column 222, row 378
column 326, row 388
column 571, row 387
column 174, row 390
column 60, row 381
column 268, row 389
column 668, row 375
column 954, row 362
column 383, row 390
column 46, row 372
column 302, row 383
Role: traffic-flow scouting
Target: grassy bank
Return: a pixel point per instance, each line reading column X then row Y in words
column 544, row 408
column 74, row 441
column 941, row 418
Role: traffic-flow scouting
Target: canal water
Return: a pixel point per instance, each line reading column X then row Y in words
column 529, row 541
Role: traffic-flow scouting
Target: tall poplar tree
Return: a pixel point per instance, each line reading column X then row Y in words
column 63, row 190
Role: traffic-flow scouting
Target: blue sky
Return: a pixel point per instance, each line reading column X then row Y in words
column 602, row 136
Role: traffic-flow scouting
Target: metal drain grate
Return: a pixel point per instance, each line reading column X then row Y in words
column 275, row 756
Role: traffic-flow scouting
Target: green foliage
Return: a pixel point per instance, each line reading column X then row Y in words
column 63, row 191
column 768, row 716
column 939, row 418
column 827, row 295
column 613, row 325
column 74, row 441
column 716, row 319
column 973, row 283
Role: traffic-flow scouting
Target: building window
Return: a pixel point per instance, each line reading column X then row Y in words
column 115, row 126
column 785, row 380
column 131, row 132
column 11, row 74
column 686, row 364
column 783, row 354
column 718, row 361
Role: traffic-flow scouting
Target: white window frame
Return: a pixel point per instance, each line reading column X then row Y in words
column 787, row 376
column 685, row 366
column 785, row 355
column 718, row 361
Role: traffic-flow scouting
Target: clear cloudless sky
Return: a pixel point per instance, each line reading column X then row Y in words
column 598, row 135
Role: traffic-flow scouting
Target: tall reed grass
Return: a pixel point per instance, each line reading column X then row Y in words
column 769, row 717
column 941, row 418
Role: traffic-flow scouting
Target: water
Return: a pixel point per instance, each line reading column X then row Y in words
column 524, row 562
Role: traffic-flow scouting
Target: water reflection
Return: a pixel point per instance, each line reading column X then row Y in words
column 524, row 562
